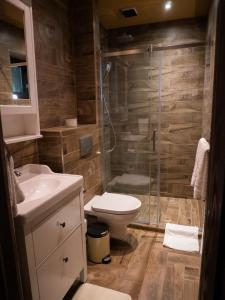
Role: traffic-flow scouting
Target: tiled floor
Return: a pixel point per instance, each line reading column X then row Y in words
column 148, row 271
column 173, row 210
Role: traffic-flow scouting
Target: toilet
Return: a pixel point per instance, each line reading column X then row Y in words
column 116, row 210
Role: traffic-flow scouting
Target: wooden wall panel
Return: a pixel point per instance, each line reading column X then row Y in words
column 54, row 61
column 55, row 71
column 24, row 153
column 85, row 32
column 209, row 75
column 60, row 150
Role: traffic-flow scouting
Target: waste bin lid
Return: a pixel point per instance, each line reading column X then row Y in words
column 97, row 230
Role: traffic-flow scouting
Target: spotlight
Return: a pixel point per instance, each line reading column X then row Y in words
column 168, row 5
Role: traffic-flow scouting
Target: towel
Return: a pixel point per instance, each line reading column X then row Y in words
column 180, row 237
column 199, row 176
column 16, row 194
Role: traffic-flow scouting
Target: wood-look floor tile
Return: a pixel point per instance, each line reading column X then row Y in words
column 130, row 287
column 152, row 287
column 108, row 276
column 148, row 271
column 191, row 272
column 184, row 216
column 178, row 281
column 168, row 286
column 171, row 210
column 191, row 289
column 182, row 258
column 137, row 265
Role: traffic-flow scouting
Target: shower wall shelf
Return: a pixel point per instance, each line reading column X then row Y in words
column 23, row 138
column 20, row 127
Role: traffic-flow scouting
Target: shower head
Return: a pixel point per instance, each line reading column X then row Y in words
column 107, row 69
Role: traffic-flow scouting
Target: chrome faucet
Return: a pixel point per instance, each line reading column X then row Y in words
column 17, row 173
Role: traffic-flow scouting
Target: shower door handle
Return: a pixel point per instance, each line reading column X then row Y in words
column 154, row 139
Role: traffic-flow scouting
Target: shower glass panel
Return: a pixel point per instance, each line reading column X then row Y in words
column 131, row 127
column 181, row 84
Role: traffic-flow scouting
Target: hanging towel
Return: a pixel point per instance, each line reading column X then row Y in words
column 16, row 194
column 199, row 176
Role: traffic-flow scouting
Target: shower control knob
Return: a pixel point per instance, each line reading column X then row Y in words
column 62, row 224
column 66, row 259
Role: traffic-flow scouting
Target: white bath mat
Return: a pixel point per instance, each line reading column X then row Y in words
column 94, row 292
column 181, row 237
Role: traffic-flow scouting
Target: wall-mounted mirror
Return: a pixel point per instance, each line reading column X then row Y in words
column 16, row 54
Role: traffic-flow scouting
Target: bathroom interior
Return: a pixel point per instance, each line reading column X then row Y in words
column 104, row 105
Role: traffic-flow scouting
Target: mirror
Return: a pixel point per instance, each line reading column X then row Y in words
column 14, row 79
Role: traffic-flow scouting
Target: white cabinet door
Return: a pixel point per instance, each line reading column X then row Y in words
column 57, row 274
column 55, row 229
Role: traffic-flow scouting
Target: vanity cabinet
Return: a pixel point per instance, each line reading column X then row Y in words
column 52, row 250
column 55, row 229
column 56, row 274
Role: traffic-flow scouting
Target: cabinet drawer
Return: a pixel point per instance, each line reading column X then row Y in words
column 54, row 229
column 58, row 272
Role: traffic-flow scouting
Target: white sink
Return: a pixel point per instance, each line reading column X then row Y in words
column 37, row 188
column 43, row 189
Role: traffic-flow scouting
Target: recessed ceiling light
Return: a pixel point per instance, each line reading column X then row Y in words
column 168, row 5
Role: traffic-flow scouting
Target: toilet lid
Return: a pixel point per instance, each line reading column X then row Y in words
column 117, row 204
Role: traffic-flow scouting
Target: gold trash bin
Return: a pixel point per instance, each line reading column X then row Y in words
column 98, row 243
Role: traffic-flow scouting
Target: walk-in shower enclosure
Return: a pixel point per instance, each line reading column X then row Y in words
column 152, row 120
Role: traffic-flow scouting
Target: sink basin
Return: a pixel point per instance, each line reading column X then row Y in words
column 43, row 190
column 37, row 188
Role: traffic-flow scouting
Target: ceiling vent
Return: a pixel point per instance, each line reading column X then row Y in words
column 129, row 12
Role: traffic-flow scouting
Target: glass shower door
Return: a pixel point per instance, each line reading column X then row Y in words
column 130, row 130
column 181, row 82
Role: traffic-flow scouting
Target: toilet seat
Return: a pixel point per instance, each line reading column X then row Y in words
column 117, row 204
column 115, row 210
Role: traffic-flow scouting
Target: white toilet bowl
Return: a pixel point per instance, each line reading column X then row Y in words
column 116, row 210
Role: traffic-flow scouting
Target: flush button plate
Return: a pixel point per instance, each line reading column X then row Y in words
column 86, row 145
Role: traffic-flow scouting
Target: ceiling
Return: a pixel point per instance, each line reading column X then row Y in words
column 149, row 11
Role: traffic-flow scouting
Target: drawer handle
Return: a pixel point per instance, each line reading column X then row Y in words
column 62, row 224
column 65, row 259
